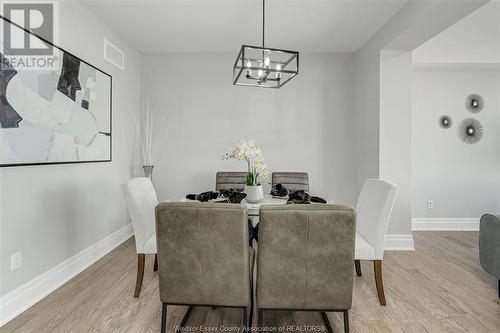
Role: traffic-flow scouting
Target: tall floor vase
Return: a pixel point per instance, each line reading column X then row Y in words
column 148, row 171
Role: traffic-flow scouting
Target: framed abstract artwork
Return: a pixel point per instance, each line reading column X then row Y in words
column 53, row 115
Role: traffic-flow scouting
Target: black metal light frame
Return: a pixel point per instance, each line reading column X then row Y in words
column 239, row 64
column 241, row 60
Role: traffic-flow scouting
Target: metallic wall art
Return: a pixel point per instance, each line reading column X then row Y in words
column 470, row 131
column 445, row 121
column 474, row 103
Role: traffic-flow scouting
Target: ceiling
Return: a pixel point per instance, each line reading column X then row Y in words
column 474, row 39
column 222, row 26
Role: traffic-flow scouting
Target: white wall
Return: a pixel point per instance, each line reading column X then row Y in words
column 414, row 24
column 52, row 212
column 395, row 132
column 369, row 104
column 462, row 180
column 367, row 101
column 305, row 126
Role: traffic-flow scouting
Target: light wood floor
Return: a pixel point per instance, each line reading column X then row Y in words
column 438, row 288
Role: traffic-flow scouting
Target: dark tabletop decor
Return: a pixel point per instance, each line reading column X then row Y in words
column 445, row 121
column 204, row 196
column 231, row 196
column 302, row 197
column 470, row 131
column 279, row 190
column 223, row 196
column 474, row 103
column 295, row 197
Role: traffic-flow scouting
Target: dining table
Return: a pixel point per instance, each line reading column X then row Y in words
column 253, row 209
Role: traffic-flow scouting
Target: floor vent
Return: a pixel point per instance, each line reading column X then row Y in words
column 114, row 55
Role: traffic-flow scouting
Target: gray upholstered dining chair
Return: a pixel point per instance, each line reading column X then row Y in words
column 225, row 180
column 305, row 259
column 292, row 181
column 489, row 245
column 204, row 258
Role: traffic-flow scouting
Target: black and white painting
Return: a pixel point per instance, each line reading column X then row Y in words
column 59, row 115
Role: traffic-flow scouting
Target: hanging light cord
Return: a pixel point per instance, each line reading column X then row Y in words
column 263, row 20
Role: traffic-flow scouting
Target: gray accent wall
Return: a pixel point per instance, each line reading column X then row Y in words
column 52, row 212
column 308, row 125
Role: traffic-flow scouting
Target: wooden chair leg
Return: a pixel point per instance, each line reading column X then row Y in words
column 141, row 258
column 155, row 266
column 346, row 321
column 163, row 318
column 357, row 264
column 377, row 267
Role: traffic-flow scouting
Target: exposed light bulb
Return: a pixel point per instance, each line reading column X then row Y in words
column 267, row 62
column 249, row 72
column 278, row 68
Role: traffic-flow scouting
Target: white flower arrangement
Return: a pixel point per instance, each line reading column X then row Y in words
column 252, row 154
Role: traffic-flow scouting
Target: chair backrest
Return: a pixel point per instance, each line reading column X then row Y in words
column 374, row 208
column 293, row 181
column 230, row 180
column 141, row 201
column 203, row 253
column 305, row 257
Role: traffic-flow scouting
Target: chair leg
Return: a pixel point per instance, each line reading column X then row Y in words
column 245, row 319
column 250, row 308
column 499, row 288
column 184, row 320
column 249, row 326
column 327, row 322
column 260, row 320
column 155, row 266
column 377, row 267
column 346, row 321
column 141, row 258
column 357, row 264
column 163, row 318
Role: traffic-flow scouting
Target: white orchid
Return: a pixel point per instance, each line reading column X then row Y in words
column 252, row 154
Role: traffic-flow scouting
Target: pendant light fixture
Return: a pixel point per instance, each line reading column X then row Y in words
column 260, row 66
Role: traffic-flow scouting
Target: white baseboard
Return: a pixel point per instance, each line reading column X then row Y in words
column 23, row 297
column 399, row 242
column 445, row 224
